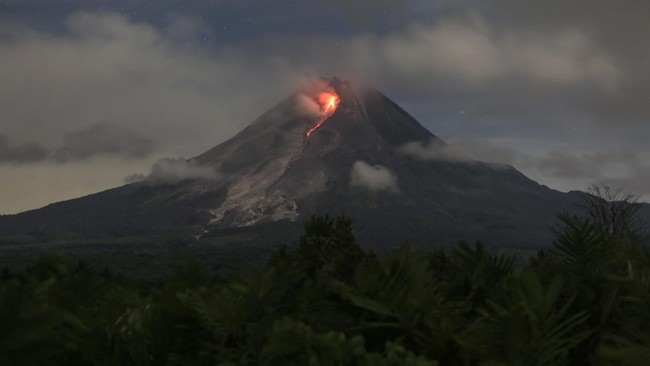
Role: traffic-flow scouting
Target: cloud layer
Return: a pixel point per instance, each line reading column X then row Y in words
column 98, row 140
column 435, row 150
column 568, row 169
column 478, row 71
column 103, row 139
column 469, row 54
column 133, row 76
column 23, row 153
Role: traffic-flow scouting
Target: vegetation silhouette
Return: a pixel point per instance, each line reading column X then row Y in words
column 327, row 301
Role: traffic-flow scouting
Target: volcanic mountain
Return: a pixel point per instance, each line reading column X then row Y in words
column 333, row 149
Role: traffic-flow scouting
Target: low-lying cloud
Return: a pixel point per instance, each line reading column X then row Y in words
column 20, row 153
column 564, row 168
column 98, row 140
column 176, row 170
column 434, row 150
column 373, row 177
column 103, row 139
column 467, row 151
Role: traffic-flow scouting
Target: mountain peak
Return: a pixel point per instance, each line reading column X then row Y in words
column 307, row 143
column 335, row 110
column 331, row 146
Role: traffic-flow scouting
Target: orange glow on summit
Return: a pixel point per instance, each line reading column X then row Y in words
column 328, row 101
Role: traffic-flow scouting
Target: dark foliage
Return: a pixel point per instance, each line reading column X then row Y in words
column 328, row 246
column 326, row 301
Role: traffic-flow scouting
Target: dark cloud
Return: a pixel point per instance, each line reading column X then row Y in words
column 181, row 96
column 624, row 17
column 21, row 153
column 637, row 181
column 366, row 13
column 103, row 139
column 459, row 55
column 525, row 79
column 135, row 177
column 573, row 72
column 143, row 78
column 619, row 28
column 99, row 140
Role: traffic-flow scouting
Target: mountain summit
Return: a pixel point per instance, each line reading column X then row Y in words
column 306, row 146
column 328, row 148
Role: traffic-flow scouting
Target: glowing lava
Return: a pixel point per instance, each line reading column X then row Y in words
column 328, row 102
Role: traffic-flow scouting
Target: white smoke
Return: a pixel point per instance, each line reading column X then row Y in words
column 176, row 170
column 310, row 88
column 373, row 177
column 306, row 106
column 305, row 101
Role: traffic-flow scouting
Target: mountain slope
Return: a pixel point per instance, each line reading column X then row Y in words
column 353, row 161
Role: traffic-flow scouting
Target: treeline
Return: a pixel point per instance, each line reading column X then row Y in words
column 326, row 301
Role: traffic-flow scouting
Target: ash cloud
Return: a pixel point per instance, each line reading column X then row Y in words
column 176, row 170
column 373, row 177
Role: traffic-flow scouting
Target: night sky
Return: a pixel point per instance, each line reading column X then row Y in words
column 92, row 92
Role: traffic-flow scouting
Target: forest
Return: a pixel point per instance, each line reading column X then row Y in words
column 325, row 300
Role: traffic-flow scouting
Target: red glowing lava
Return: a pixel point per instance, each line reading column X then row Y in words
column 328, row 101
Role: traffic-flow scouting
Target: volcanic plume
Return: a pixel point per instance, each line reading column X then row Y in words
column 289, row 164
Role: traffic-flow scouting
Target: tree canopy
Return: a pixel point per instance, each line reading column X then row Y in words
column 327, row 301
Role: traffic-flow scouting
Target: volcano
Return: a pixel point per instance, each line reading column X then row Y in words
column 335, row 149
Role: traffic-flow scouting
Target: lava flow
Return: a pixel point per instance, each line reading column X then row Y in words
column 328, row 101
